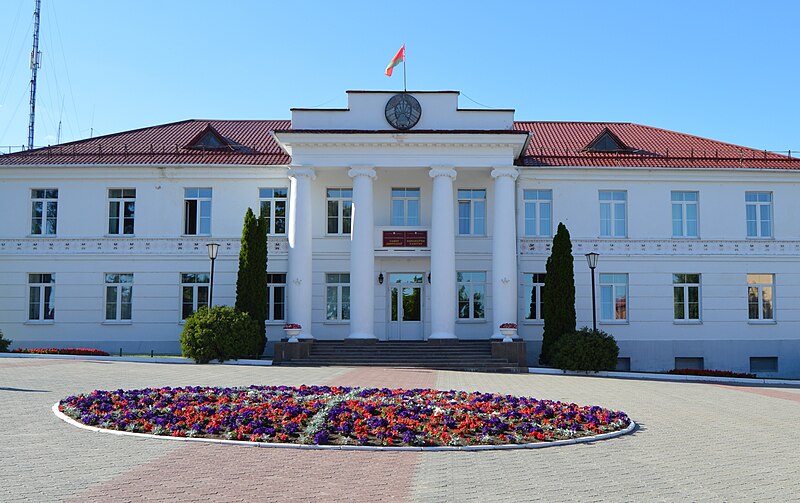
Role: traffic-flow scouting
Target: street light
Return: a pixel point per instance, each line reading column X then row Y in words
column 213, row 248
column 591, row 258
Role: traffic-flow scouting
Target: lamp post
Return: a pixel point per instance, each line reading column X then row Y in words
column 213, row 248
column 591, row 258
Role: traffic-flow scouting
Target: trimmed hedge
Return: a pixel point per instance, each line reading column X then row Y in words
column 220, row 333
column 586, row 350
column 62, row 351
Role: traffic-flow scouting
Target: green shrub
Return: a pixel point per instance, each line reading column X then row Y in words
column 220, row 333
column 4, row 343
column 586, row 350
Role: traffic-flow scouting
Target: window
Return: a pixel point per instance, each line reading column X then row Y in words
column 471, row 295
column 759, row 214
column 41, row 303
column 121, row 207
column 613, row 297
column 759, row 364
column 194, row 292
column 119, row 290
column 276, row 297
column 686, row 296
column 197, row 211
column 612, row 213
column 44, row 211
column 405, row 206
column 472, row 212
column 532, row 287
column 684, row 214
column 760, row 297
column 337, row 296
column 538, row 212
column 340, row 210
column 273, row 208
column 690, row 362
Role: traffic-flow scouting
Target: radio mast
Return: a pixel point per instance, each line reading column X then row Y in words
column 36, row 58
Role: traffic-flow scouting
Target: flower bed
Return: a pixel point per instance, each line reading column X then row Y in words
column 62, row 351
column 341, row 415
column 712, row 373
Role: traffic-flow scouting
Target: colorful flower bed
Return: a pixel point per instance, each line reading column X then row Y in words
column 62, row 351
column 712, row 373
column 341, row 415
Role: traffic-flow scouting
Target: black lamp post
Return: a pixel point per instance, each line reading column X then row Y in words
column 213, row 248
column 591, row 258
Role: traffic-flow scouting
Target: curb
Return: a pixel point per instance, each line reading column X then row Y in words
column 132, row 359
column 539, row 445
column 666, row 377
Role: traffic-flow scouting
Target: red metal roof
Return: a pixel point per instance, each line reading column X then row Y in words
column 552, row 144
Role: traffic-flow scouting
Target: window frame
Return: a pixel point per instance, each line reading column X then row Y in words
column 613, row 284
column 759, row 287
column 42, row 300
column 122, row 210
column 339, row 286
column 272, row 217
column 195, row 287
column 471, row 287
column 684, row 220
column 758, row 205
column 529, row 282
column 471, row 201
column 680, row 282
column 48, row 199
column 118, row 286
column 271, row 287
column 536, row 203
column 405, row 199
column 200, row 201
column 341, row 203
column 612, row 204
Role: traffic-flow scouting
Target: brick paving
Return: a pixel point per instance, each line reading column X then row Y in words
column 695, row 443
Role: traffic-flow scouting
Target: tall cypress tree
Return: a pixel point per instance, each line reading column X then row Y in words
column 251, row 281
column 558, row 294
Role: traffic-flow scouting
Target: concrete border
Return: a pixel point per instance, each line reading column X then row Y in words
column 134, row 359
column 666, row 377
column 539, row 445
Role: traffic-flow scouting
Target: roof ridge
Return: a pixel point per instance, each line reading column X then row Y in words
column 689, row 135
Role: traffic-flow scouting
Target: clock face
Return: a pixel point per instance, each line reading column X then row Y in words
column 403, row 111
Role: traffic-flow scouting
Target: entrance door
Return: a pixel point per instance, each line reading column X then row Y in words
column 405, row 306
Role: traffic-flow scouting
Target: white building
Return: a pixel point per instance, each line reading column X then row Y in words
column 407, row 218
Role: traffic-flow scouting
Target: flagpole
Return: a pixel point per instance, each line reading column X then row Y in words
column 404, row 68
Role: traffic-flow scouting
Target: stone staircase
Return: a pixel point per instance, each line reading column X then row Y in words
column 477, row 356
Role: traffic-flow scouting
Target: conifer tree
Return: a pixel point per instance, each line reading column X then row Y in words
column 251, row 281
column 558, row 294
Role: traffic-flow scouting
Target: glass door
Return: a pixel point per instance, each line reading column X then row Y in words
column 405, row 306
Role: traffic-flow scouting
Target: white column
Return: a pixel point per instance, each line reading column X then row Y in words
column 504, row 249
column 299, row 280
column 362, row 255
column 443, row 255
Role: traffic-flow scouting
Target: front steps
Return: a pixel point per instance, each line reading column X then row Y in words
column 477, row 356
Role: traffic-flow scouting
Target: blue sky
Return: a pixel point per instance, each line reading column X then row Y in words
column 726, row 70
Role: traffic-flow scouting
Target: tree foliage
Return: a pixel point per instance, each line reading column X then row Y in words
column 251, row 281
column 558, row 294
column 221, row 333
column 4, row 343
column 586, row 350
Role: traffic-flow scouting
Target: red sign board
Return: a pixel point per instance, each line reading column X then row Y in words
column 405, row 239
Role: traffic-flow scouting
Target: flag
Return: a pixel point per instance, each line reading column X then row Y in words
column 396, row 60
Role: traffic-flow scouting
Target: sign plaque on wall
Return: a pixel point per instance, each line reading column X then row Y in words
column 405, row 239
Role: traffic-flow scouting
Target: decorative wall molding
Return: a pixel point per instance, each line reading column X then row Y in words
column 624, row 247
column 278, row 245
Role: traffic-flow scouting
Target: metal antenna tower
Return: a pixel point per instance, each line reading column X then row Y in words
column 36, row 58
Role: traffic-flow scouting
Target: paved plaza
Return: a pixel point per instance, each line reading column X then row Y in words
column 696, row 442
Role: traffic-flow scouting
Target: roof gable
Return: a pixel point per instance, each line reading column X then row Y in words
column 606, row 141
column 208, row 139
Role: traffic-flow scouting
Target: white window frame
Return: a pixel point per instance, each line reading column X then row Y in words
column 679, row 201
column 681, row 282
column 47, row 200
column 202, row 197
column 195, row 281
column 471, row 201
column 121, row 204
column 267, row 195
column 529, row 282
column 534, row 201
column 116, row 281
column 472, row 283
column 755, row 282
column 43, row 300
column 405, row 219
column 334, row 282
column 613, row 204
column 759, row 207
column 610, row 283
column 341, row 201
column 272, row 286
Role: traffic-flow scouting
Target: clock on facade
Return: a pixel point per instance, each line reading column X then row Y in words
column 403, row 111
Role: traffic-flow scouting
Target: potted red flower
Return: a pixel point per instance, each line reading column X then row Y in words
column 509, row 330
column 292, row 331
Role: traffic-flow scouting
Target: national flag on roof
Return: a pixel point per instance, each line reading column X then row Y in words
column 396, row 60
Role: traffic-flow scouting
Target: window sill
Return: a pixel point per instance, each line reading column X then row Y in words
column 336, row 322
column 612, row 322
column 40, row 322
column 533, row 322
column 612, row 237
column 195, row 235
column 119, row 236
column 471, row 321
column 686, row 238
column 476, row 236
column 762, row 322
column 760, row 238
column 117, row 322
column 275, row 323
column 29, row 236
column 687, row 322
column 337, row 235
